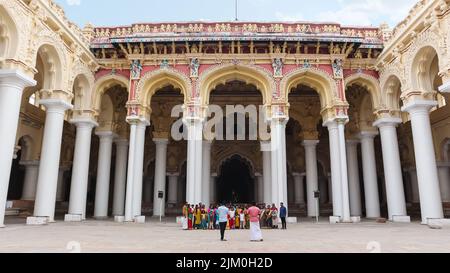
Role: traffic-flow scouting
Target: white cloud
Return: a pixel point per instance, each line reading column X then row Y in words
column 73, row 2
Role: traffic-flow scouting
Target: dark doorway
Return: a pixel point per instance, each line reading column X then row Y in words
column 236, row 183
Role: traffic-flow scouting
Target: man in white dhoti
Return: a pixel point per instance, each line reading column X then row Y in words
column 255, row 230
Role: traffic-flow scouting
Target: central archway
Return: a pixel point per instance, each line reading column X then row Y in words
column 236, row 182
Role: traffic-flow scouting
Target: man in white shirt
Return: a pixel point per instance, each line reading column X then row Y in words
column 223, row 219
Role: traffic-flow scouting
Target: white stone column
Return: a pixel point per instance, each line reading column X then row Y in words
column 194, row 160
column 299, row 188
column 30, row 180
column 444, row 180
column 138, row 170
column 427, row 175
column 371, row 192
column 80, row 170
column 160, row 177
column 120, row 177
column 267, row 172
column 103, row 175
column 395, row 193
column 206, row 178
column 12, row 83
column 344, row 171
column 173, row 188
column 61, row 188
column 129, row 215
column 312, row 180
column 335, row 168
column 260, row 188
column 353, row 178
column 414, row 185
column 278, row 158
column 50, row 155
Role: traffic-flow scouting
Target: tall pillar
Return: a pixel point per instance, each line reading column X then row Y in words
column 129, row 213
column 344, row 171
column 194, row 160
column 103, row 175
column 353, row 178
column 80, row 170
column 414, row 185
column 260, row 186
column 444, row 181
column 312, row 180
column 427, row 175
column 173, row 188
column 278, row 160
column 335, row 168
column 371, row 192
column 50, row 155
column 120, row 177
column 395, row 193
column 299, row 188
column 61, row 188
column 160, row 176
column 267, row 172
column 206, row 178
column 138, row 170
column 12, row 83
column 30, row 180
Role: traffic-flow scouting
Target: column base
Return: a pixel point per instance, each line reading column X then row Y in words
column 401, row 219
column 37, row 221
column 139, row 219
column 101, row 218
column 335, row 219
column 2, row 226
column 292, row 220
column 119, row 219
column 438, row 223
column 73, row 218
column 356, row 219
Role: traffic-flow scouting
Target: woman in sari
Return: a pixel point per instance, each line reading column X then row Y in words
column 190, row 217
column 211, row 218
column 237, row 220
column 204, row 216
column 268, row 213
column 198, row 217
column 274, row 212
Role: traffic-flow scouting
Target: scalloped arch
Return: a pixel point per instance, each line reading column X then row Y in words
column 370, row 83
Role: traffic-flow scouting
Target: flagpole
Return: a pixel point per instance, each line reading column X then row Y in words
column 236, row 10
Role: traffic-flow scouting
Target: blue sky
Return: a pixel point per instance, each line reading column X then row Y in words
column 125, row 12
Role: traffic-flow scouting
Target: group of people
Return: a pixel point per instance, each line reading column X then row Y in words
column 232, row 217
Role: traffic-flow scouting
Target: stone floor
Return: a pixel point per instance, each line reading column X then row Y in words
column 307, row 236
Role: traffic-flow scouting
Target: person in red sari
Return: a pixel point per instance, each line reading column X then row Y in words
column 190, row 217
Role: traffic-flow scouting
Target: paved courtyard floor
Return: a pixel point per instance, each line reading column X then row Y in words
column 110, row 237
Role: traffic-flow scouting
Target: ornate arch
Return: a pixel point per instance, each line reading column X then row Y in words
column 220, row 74
column 223, row 158
column 427, row 39
column 315, row 78
column 154, row 80
column 370, row 83
column 11, row 39
column 51, row 43
column 103, row 84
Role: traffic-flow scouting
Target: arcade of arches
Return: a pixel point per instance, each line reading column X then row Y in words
column 87, row 126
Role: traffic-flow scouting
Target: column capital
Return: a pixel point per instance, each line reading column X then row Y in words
column 55, row 105
column 84, row 122
column 387, row 121
column 298, row 174
column 367, row 134
column 31, row 163
column 353, row 141
column 136, row 120
column 419, row 106
column 15, row 78
column 105, row 134
column 121, row 142
column 310, row 143
column 173, row 174
column 266, row 146
column 161, row 141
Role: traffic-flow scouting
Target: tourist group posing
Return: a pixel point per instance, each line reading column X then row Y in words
column 200, row 217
